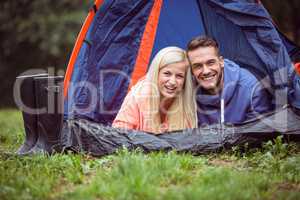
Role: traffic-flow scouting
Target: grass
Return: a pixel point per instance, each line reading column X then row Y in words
column 272, row 172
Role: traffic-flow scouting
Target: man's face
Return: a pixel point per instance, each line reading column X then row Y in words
column 207, row 67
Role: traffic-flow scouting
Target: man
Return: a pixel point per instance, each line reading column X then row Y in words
column 225, row 92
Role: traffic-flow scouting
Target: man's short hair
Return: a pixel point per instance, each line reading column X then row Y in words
column 202, row 41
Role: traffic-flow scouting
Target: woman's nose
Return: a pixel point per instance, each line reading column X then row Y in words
column 172, row 80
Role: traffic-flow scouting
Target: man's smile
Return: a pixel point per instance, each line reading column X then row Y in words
column 209, row 77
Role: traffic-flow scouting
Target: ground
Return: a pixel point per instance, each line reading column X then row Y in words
column 272, row 172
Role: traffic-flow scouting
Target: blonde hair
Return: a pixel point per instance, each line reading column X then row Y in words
column 182, row 112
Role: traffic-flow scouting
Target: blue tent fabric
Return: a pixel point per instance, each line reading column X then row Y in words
column 233, row 42
column 259, row 45
column 106, row 60
column 178, row 23
column 101, row 73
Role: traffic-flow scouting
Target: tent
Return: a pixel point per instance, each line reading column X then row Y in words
column 113, row 51
column 81, row 135
column 119, row 38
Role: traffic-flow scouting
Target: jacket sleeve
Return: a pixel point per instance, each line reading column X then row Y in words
column 261, row 102
column 128, row 115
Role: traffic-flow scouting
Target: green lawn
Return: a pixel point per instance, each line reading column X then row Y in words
column 269, row 173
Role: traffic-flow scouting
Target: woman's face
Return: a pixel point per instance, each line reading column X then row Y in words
column 171, row 79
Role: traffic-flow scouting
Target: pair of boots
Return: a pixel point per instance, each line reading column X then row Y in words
column 40, row 97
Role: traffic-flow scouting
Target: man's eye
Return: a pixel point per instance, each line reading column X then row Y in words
column 210, row 63
column 197, row 66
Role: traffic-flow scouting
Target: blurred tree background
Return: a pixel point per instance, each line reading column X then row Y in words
column 36, row 34
column 41, row 34
column 286, row 17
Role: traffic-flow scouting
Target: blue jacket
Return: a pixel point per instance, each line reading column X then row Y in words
column 243, row 97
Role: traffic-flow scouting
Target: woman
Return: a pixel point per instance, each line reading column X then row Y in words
column 163, row 100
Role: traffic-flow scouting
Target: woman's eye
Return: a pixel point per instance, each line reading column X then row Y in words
column 180, row 76
column 167, row 73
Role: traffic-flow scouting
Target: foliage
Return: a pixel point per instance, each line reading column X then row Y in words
column 47, row 27
column 271, row 172
column 36, row 34
column 11, row 129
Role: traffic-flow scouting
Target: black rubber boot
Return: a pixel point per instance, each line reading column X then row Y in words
column 24, row 93
column 49, row 97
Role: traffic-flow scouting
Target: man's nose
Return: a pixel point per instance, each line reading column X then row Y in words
column 205, row 70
